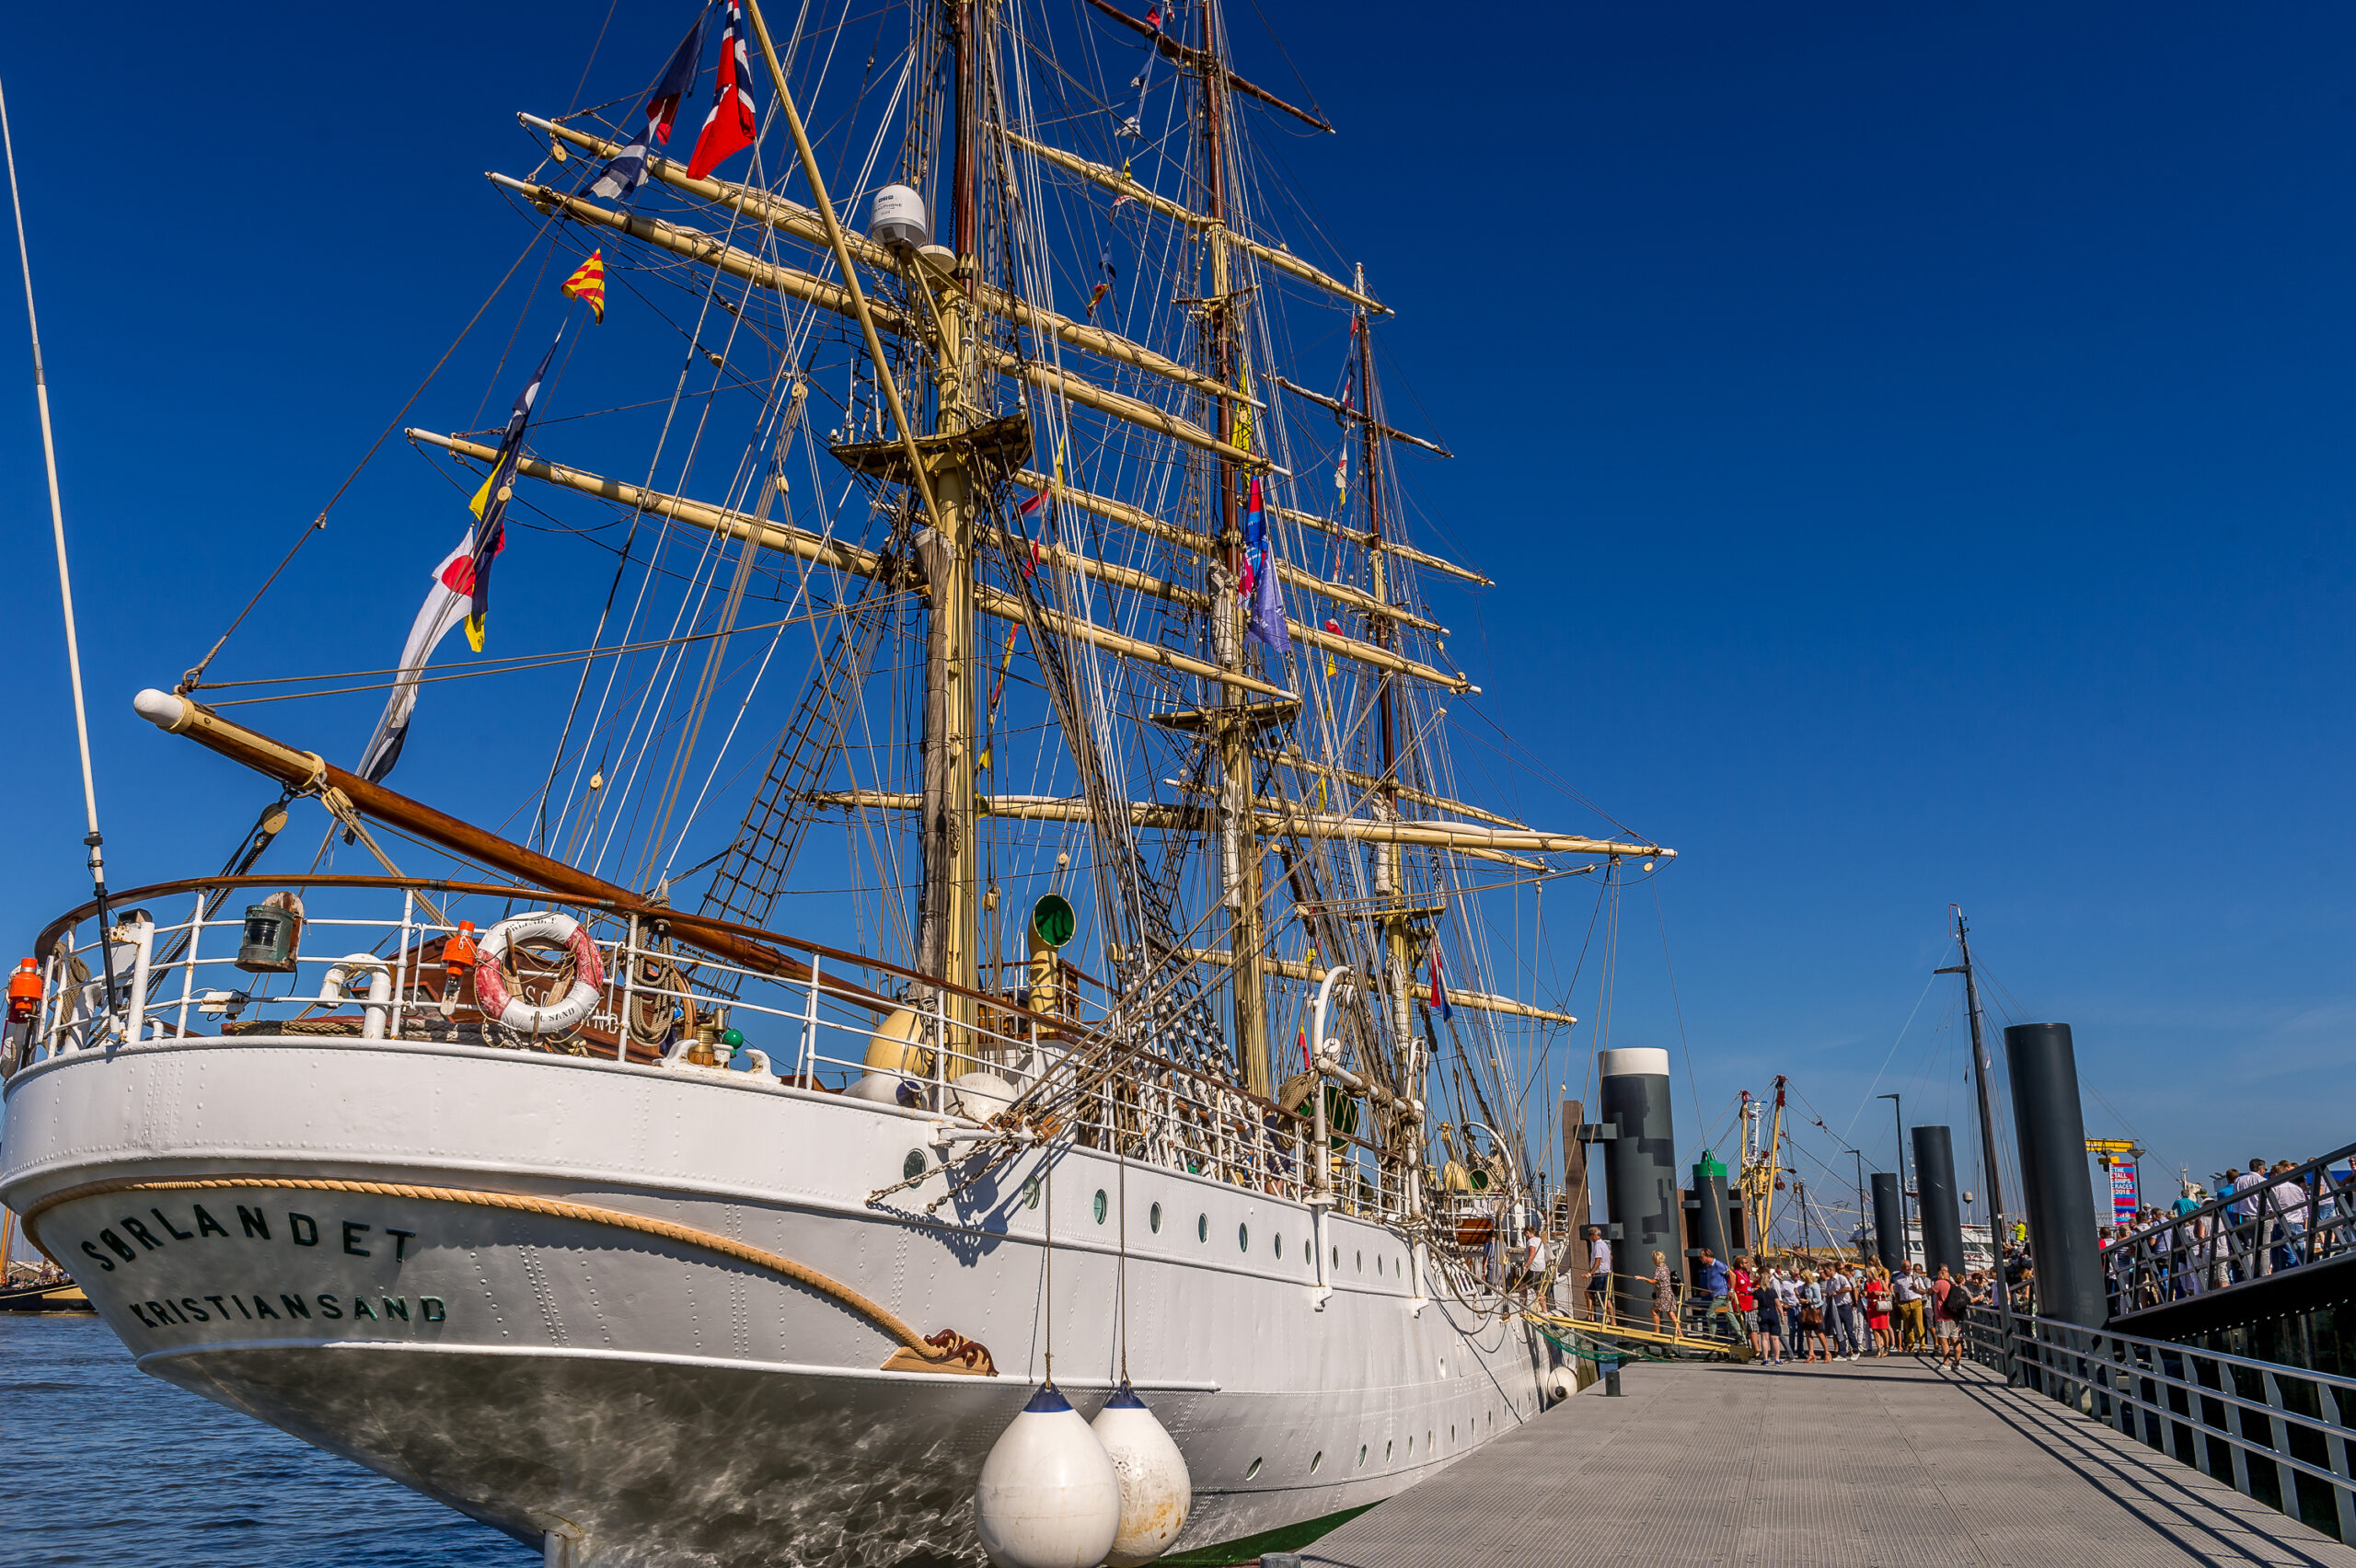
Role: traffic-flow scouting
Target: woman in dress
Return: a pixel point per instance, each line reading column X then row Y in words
column 1877, row 1307
column 1664, row 1296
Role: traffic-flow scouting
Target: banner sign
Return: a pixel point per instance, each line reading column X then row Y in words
column 2122, row 1190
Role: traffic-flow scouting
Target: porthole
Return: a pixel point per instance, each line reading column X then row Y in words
column 1316, row 1460
column 1452, row 1432
column 1428, row 1445
column 913, row 1166
column 1280, row 1244
column 1338, row 1257
column 1361, row 1263
column 1202, row 1228
column 1410, row 1444
column 1387, row 1443
column 1443, row 1365
column 1101, row 1208
column 1031, row 1193
column 1252, row 1471
column 1243, row 1238
column 1377, row 1263
column 1361, row 1453
column 1154, row 1218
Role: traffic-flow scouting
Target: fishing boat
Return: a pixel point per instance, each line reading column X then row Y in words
column 993, row 907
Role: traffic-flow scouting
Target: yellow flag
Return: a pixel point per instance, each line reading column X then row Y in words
column 587, row 285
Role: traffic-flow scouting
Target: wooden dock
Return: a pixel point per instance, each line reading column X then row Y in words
column 1882, row 1464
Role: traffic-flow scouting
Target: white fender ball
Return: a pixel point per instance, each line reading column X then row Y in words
column 1049, row 1497
column 1156, row 1490
column 883, row 1089
column 981, row 1095
column 1561, row 1382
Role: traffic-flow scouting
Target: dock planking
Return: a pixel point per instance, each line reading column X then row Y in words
column 1880, row 1464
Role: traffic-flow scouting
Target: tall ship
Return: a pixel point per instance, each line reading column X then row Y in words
column 947, row 876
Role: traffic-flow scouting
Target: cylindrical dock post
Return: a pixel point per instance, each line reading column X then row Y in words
column 1936, row 1199
column 1889, row 1221
column 1710, row 1214
column 1639, row 1168
column 2060, row 1197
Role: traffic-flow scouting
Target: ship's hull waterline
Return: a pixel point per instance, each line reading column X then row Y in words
column 237, row 1218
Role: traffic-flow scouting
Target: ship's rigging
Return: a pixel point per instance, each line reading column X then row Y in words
column 999, row 462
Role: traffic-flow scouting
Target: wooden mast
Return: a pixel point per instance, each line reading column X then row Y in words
column 1238, row 841
column 946, row 925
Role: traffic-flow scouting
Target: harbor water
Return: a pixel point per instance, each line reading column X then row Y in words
column 108, row 1466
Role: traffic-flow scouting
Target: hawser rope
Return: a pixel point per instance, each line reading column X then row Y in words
column 947, row 1351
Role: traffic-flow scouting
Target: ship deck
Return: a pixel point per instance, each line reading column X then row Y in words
column 1882, row 1464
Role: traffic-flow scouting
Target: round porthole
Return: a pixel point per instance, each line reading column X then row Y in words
column 1100, row 1205
column 1252, row 1471
column 913, row 1166
column 1031, row 1193
column 1427, row 1443
column 1361, row 1263
column 1338, row 1257
column 1452, row 1432
column 1388, row 1445
column 1315, row 1460
column 1202, row 1228
column 1154, row 1216
column 1377, row 1263
column 1280, row 1244
column 1361, row 1453
column 1243, row 1238
column 1443, row 1365
column 1410, row 1444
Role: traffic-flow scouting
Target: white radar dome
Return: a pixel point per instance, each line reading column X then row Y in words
column 897, row 217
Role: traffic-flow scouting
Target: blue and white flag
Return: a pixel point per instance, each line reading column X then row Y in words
column 627, row 170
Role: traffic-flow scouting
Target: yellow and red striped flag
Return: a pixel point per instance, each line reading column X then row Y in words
column 588, row 285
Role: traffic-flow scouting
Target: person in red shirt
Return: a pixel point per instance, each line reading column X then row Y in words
column 1745, row 1304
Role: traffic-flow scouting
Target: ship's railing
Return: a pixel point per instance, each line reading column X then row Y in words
column 2281, row 1435
column 842, row 1024
column 2291, row 1220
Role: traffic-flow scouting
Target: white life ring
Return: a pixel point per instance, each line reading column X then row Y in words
column 495, row 996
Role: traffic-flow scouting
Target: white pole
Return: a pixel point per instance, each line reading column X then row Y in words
column 64, row 579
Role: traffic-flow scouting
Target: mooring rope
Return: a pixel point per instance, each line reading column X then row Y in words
column 940, row 1349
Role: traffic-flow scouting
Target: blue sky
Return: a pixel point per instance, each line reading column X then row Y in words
column 1913, row 449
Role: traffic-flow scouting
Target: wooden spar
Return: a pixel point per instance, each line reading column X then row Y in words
column 791, row 217
column 1202, row 545
column 1368, row 781
column 1113, row 179
column 1340, row 407
column 308, row 771
column 1479, row 1001
column 1387, row 547
column 807, row 546
column 782, row 537
column 1007, row 606
column 1172, row 49
column 843, row 300
column 1293, row 823
column 1162, row 588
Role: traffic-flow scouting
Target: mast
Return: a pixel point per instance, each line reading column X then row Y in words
column 945, row 926
column 1389, row 863
column 1239, row 842
column 1980, row 1073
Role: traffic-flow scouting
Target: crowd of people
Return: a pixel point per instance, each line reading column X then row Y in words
column 1805, row 1311
column 2273, row 1216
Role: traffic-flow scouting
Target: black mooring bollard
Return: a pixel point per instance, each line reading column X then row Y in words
column 1611, row 1377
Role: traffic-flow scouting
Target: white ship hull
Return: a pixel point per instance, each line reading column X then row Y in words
column 672, row 1404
